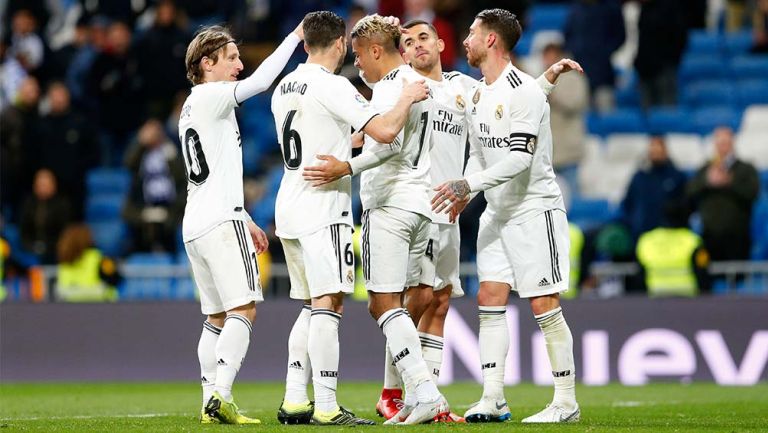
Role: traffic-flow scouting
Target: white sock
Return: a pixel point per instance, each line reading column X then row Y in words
column 324, row 354
column 230, row 352
column 299, row 366
column 206, row 354
column 494, row 344
column 403, row 343
column 432, row 350
column 391, row 375
column 559, row 341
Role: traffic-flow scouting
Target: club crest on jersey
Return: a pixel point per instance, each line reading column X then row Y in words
column 350, row 277
column 476, row 98
column 531, row 145
column 460, row 102
column 499, row 112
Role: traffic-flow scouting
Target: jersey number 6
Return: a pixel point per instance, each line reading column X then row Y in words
column 291, row 143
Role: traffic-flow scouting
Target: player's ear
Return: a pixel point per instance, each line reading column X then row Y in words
column 306, row 48
column 440, row 45
column 490, row 39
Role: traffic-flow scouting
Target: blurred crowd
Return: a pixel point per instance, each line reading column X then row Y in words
column 93, row 84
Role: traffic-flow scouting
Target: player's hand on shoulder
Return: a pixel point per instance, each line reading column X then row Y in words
column 417, row 91
column 331, row 170
column 395, row 21
column 299, row 31
column 258, row 236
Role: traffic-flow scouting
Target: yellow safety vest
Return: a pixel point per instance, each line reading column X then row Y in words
column 79, row 281
column 577, row 244
column 5, row 251
column 666, row 254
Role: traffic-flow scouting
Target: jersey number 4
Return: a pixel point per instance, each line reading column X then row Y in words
column 291, row 143
column 197, row 166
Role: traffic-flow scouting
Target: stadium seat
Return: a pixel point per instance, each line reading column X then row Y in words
column 12, row 235
column 109, row 236
column 753, row 92
column 547, row 17
column 622, row 121
column 686, row 151
column 753, row 147
column 103, row 207
column 589, row 213
column 755, row 119
column 666, row 120
column 626, row 148
column 140, row 287
column 523, row 47
column 737, row 43
column 108, row 181
column 706, row 119
column 748, row 67
column 704, row 42
column 709, row 92
column 702, row 67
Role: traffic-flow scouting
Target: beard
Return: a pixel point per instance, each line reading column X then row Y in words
column 425, row 64
column 339, row 66
column 475, row 58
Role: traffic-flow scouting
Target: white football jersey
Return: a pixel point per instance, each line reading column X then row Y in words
column 449, row 130
column 512, row 115
column 403, row 180
column 213, row 157
column 314, row 112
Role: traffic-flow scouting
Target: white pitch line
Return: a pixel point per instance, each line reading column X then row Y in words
column 642, row 403
column 132, row 415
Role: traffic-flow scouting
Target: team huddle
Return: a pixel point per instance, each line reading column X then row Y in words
column 413, row 133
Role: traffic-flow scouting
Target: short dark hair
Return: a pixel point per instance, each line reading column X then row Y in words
column 322, row 28
column 504, row 23
column 414, row 23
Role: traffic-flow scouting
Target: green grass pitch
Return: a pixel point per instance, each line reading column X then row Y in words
column 173, row 407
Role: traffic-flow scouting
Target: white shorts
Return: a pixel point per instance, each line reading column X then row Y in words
column 531, row 257
column 394, row 240
column 321, row 263
column 440, row 264
column 224, row 267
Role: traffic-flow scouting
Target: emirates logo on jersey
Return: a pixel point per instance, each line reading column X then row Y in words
column 499, row 112
column 460, row 102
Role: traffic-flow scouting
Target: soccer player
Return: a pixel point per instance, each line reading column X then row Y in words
column 396, row 217
column 421, row 47
column 522, row 242
column 314, row 112
column 220, row 238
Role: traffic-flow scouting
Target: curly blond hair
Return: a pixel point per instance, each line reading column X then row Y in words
column 375, row 29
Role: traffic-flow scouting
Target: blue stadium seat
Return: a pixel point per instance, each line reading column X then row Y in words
column 108, row 181
column 666, row 120
column 704, row 42
column 737, row 43
column 747, row 67
column 588, row 214
column 103, row 207
column 625, row 120
column 627, row 97
column 147, row 288
column 752, row 92
column 706, row 119
column 702, row 67
column 710, row 92
column 547, row 17
column 109, row 236
column 594, row 124
column 23, row 257
column 760, row 228
column 523, row 47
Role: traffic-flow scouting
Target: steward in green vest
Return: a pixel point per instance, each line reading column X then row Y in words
column 673, row 257
column 83, row 273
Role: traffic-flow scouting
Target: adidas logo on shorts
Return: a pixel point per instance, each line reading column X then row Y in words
column 543, row 282
column 296, row 365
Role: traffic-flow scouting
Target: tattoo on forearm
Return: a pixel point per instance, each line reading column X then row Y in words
column 460, row 188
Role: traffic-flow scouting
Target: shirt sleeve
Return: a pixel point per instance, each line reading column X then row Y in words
column 347, row 104
column 526, row 111
column 267, row 72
